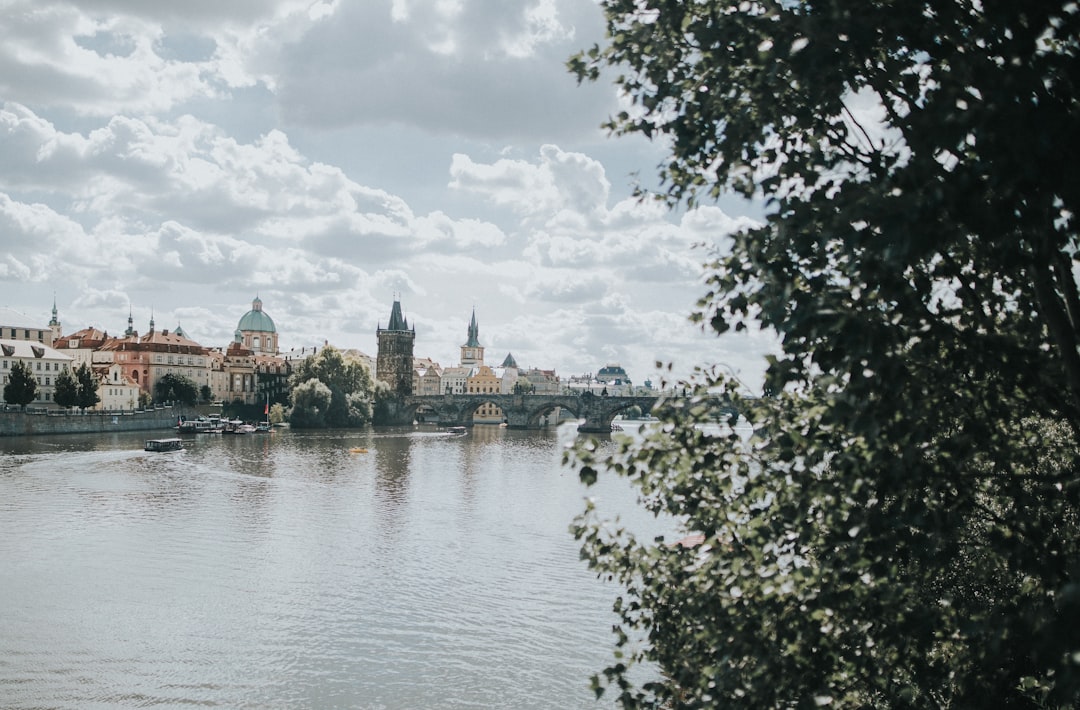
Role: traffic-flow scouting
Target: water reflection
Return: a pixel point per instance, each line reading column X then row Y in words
column 283, row 570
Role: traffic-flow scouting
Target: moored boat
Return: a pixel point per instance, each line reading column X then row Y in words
column 199, row 426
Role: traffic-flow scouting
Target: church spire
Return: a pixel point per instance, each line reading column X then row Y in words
column 472, row 352
column 474, row 332
column 54, row 324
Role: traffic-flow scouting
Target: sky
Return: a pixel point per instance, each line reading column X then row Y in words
column 175, row 161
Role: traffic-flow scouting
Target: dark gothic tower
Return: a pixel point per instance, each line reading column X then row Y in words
column 394, row 364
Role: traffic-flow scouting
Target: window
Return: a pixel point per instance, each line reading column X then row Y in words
column 47, row 382
column 38, row 366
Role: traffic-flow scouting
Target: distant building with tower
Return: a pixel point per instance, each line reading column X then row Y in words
column 394, row 362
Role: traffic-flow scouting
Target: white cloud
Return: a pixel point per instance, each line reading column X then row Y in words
column 180, row 159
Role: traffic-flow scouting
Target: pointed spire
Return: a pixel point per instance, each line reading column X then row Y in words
column 131, row 324
column 151, row 319
column 397, row 320
column 55, row 320
column 474, row 332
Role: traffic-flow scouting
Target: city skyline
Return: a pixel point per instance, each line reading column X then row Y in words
column 326, row 157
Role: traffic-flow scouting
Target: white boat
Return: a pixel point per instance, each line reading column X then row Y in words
column 173, row 444
column 199, row 426
column 235, row 426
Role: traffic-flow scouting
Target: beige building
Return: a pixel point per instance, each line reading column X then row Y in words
column 483, row 380
column 427, row 376
column 17, row 326
column 45, row 364
column 84, row 347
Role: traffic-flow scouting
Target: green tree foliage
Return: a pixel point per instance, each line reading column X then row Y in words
column 176, row 388
column 311, row 404
column 66, row 389
column 348, row 382
column 87, row 392
column 902, row 528
column 206, row 394
column 21, row 388
column 277, row 413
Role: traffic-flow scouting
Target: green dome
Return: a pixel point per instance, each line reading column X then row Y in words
column 256, row 321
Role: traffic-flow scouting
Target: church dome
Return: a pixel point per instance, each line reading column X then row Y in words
column 256, row 321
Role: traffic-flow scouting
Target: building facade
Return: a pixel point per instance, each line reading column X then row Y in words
column 116, row 391
column 146, row 359
column 16, row 326
column 44, row 362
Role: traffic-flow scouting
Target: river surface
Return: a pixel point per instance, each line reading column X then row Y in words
column 285, row 571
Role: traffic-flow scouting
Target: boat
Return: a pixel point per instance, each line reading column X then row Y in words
column 173, row 444
column 235, row 426
column 457, row 430
column 199, row 426
column 358, row 450
column 263, row 426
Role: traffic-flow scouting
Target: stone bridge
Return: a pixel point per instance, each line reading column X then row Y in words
column 521, row 411
column 525, row 411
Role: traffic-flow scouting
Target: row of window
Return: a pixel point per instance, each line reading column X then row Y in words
column 178, row 360
column 47, row 383
column 55, row 366
column 26, row 334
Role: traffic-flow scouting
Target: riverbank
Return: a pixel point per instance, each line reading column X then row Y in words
column 49, row 422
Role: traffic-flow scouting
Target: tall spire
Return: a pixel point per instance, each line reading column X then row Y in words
column 397, row 320
column 131, row 324
column 474, row 332
column 55, row 320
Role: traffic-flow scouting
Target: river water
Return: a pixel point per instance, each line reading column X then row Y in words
column 285, row 571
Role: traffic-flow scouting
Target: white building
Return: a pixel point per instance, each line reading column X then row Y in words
column 115, row 389
column 45, row 365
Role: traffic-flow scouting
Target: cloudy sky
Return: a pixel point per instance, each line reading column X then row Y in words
column 180, row 159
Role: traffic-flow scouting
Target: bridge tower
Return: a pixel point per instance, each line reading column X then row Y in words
column 394, row 364
column 472, row 352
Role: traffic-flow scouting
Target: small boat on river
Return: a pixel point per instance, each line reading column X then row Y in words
column 173, row 444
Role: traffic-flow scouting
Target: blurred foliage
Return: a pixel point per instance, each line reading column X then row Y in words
column 901, row 529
